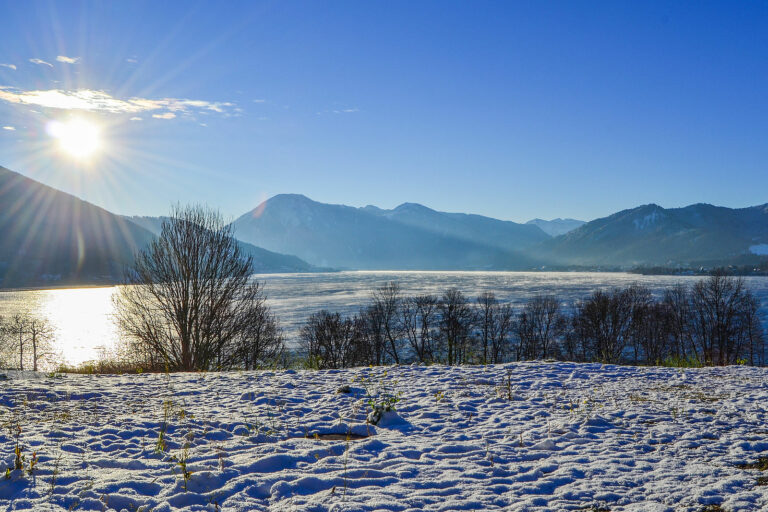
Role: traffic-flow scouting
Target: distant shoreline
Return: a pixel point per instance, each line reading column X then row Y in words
column 650, row 271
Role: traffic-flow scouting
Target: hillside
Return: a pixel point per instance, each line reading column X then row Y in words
column 652, row 235
column 51, row 237
column 264, row 261
column 501, row 234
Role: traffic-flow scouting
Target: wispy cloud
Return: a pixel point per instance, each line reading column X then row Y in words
column 132, row 61
column 40, row 61
column 9, row 66
column 9, row 128
column 338, row 111
column 67, row 60
column 101, row 101
column 259, row 101
column 136, row 118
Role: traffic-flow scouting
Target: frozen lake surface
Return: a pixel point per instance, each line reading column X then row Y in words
column 83, row 316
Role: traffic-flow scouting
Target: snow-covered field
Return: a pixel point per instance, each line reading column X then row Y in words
column 528, row 436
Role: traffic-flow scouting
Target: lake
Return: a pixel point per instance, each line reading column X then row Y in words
column 83, row 316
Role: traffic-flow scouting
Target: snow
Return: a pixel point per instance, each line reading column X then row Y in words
column 647, row 220
column 760, row 249
column 553, row 436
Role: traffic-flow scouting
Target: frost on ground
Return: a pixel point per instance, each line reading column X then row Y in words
column 528, row 436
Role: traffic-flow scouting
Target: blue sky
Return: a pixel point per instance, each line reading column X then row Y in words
column 508, row 109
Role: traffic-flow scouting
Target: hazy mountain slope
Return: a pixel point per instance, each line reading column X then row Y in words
column 506, row 235
column 264, row 261
column 557, row 227
column 49, row 236
column 347, row 237
column 652, row 235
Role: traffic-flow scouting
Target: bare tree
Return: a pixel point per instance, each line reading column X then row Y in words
column 385, row 308
column 16, row 329
column 456, row 320
column 677, row 301
column 419, row 321
column 601, row 323
column 189, row 300
column 539, row 327
column 652, row 329
column 374, row 334
column 753, row 332
column 717, row 307
column 495, row 323
column 7, row 345
column 40, row 336
column 331, row 341
column 261, row 343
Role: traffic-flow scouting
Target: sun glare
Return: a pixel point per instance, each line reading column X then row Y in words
column 78, row 138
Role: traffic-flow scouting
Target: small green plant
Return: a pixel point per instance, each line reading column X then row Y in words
column 54, row 474
column 181, row 463
column 161, row 445
column 32, row 463
column 18, row 461
column 682, row 362
column 381, row 396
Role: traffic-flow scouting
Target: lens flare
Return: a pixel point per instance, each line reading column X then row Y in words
column 78, row 138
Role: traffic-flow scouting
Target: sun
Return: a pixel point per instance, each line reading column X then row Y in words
column 78, row 138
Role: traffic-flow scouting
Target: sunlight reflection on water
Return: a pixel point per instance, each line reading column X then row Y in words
column 83, row 316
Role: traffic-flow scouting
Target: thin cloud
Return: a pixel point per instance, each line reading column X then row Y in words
column 135, row 118
column 259, row 101
column 9, row 66
column 101, row 101
column 132, row 61
column 9, row 128
column 67, row 60
column 40, row 61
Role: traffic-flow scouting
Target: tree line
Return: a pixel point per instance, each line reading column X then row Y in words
column 714, row 322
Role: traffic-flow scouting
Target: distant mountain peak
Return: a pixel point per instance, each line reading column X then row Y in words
column 558, row 226
column 412, row 207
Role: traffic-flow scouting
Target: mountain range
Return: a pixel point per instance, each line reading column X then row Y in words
column 409, row 237
column 48, row 237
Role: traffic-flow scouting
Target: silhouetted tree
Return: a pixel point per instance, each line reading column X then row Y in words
column 495, row 323
column 601, row 324
column 330, row 341
column 419, row 321
column 717, row 306
column 190, row 300
column 27, row 339
column 384, row 314
column 677, row 301
column 457, row 318
column 539, row 326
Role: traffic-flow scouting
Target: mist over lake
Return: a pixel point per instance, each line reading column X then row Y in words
column 83, row 316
